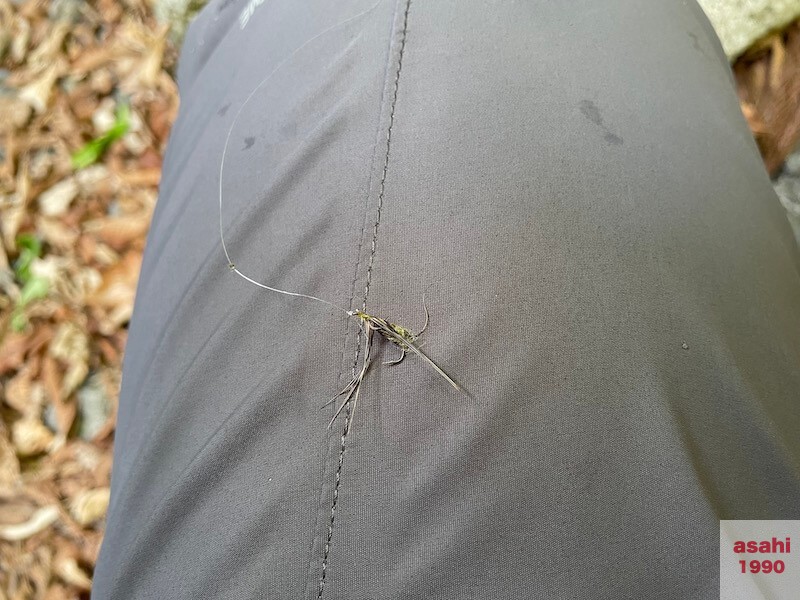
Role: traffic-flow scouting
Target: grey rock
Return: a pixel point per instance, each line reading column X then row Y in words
column 94, row 407
column 178, row 13
column 739, row 23
column 787, row 187
column 65, row 10
column 792, row 165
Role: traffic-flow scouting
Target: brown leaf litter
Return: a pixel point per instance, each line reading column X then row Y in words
column 66, row 68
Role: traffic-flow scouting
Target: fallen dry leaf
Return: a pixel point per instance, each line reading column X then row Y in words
column 22, row 393
column 41, row 519
column 65, row 409
column 97, row 180
column 21, row 35
column 16, row 509
column 71, row 346
column 768, row 84
column 9, row 463
column 16, row 346
column 142, row 177
column 30, row 437
column 56, row 233
column 119, row 232
column 67, row 568
column 14, row 207
column 50, row 48
column 16, row 113
column 56, row 200
column 90, row 506
column 115, row 294
column 37, row 93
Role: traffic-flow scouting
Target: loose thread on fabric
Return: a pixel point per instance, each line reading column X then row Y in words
column 231, row 264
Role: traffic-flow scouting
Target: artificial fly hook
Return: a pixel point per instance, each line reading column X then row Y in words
column 398, row 335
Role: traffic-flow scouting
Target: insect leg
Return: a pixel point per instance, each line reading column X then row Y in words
column 427, row 317
column 399, row 360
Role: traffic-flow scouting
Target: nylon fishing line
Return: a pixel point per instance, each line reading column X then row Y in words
column 400, row 336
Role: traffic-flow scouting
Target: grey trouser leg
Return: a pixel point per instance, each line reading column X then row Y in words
column 608, row 272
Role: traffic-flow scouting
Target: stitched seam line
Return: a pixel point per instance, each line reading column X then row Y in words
column 386, row 158
column 347, row 321
column 381, row 194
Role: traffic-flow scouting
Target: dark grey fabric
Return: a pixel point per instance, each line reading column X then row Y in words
column 608, row 271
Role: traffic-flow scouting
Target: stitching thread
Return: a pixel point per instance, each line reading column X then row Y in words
column 386, row 159
column 381, row 194
column 346, row 337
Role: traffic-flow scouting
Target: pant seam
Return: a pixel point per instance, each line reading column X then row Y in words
column 381, row 195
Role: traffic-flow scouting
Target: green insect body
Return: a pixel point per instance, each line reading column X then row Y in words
column 403, row 335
